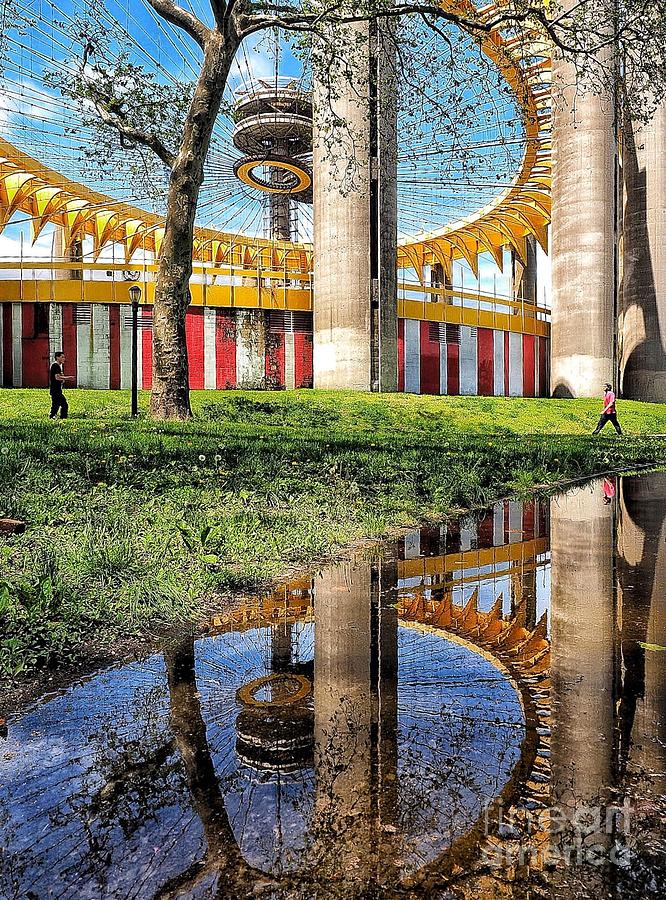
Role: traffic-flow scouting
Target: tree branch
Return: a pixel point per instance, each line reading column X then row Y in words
column 285, row 17
column 183, row 19
column 134, row 135
column 219, row 8
column 289, row 19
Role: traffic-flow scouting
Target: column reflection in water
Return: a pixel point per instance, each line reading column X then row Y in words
column 582, row 653
column 641, row 585
column 355, row 694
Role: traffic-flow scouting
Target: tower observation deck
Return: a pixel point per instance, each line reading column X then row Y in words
column 273, row 129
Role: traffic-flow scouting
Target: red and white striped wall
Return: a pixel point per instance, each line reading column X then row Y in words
column 436, row 358
column 227, row 348
column 243, row 348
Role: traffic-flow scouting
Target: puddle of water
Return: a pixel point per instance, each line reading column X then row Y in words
column 483, row 708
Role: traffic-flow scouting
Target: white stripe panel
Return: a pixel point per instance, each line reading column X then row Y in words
column 93, row 349
column 412, row 356
column 443, row 369
column 498, row 345
column 100, row 351
column 467, row 535
column 515, row 364
column 515, row 522
column 17, row 343
column 55, row 330
column 498, row 525
column 412, row 545
column 2, row 344
column 469, row 381
column 84, row 354
column 289, row 362
column 126, row 350
column 250, row 349
column 210, row 369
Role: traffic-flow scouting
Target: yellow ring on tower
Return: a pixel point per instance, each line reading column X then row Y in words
column 245, row 171
column 247, row 693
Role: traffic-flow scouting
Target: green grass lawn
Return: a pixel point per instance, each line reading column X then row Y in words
column 134, row 526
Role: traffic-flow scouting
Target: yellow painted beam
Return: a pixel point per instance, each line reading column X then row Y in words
column 470, row 559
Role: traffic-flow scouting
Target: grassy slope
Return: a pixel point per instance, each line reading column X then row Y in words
column 133, row 525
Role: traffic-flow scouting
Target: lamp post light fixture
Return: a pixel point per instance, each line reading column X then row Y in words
column 135, row 297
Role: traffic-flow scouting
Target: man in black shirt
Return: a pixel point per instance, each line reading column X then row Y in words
column 56, row 379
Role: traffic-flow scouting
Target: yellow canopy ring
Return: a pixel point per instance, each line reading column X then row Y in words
column 300, row 180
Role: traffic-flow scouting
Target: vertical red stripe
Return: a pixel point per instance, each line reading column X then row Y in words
column 453, row 369
column 544, row 518
column 28, row 362
column 69, row 341
column 7, row 356
column 401, row 355
column 114, row 346
column 225, row 349
column 303, row 360
column 486, row 357
column 429, row 361
column 275, row 363
column 146, row 338
column 543, row 367
column 528, row 520
column 34, row 349
column 507, row 524
column 194, row 335
column 528, row 365
column 506, row 363
column 486, row 531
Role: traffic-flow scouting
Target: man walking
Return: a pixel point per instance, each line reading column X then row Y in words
column 56, row 381
column 608, row 413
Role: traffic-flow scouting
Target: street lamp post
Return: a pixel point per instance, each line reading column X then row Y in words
column 135, row 297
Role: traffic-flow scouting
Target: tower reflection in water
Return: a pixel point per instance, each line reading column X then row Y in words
column 388, row 726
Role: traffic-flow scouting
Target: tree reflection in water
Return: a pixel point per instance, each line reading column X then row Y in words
column 342, row 738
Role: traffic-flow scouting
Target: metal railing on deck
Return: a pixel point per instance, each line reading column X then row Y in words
column 457, row 306
column 62, row 281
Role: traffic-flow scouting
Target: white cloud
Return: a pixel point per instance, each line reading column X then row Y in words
column 11, row 251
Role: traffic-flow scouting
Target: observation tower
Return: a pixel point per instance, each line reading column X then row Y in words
column 273, row 129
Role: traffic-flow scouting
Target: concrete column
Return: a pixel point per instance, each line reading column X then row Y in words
column 643, row 307
column 356, row 721
column 583, row 238
column 525, row 276
column 73, row 254
column 343, row 720
column 582, row 651
column 641, row 579
column 355, row 215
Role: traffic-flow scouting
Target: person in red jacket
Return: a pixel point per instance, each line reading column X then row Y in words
column 609, row 412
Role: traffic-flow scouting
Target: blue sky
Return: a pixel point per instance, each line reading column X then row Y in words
column 441, row 176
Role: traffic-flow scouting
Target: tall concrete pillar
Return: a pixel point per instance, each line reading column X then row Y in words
column 355, row 214
column 356, row 721
column 343, row 720
column 641, row 580
column 582, row 650
column 74, row 253
column 525, row 276
column 643, row 306
column 583, row 238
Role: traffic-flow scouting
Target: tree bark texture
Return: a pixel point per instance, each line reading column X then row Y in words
column 170, row 397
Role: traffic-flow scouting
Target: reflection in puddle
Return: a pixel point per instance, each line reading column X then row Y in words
column 427, row 723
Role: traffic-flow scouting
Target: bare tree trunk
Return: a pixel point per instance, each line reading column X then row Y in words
column 170, row 397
